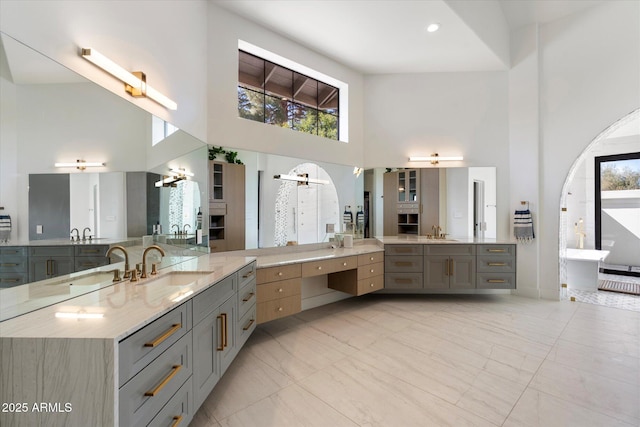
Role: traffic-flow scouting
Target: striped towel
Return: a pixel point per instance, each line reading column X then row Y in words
column 5, row 227
column 523, row 226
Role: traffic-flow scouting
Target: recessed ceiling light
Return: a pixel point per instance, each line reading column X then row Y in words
column 432, row 28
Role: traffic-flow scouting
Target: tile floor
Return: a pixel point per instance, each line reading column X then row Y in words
column 609, row 299
column 476, row 360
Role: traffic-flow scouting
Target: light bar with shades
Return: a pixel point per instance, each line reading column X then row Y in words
column 301, row 179
column 434, row 158
column 176, row 175
column 79, row 164
column 135, row 82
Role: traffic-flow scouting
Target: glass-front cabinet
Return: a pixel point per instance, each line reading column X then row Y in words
column 408, row 186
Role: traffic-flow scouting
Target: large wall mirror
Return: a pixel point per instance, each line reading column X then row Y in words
column 50, row 114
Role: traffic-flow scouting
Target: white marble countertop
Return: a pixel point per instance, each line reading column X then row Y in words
column 125, row 306
column 586, row 254
column 272, row 259
column 409, row 239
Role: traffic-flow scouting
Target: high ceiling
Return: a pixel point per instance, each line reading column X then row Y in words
column 379, row 36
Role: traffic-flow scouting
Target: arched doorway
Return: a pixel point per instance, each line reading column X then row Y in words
column 582, row 240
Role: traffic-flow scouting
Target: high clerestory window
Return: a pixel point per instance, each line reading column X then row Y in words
column 273, row 94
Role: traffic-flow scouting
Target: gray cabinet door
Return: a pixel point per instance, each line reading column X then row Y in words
column 41, row 268
column 463, row 272
column 207, row 342
column 436, row 272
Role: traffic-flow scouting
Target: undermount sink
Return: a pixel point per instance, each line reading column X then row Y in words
column 87, row 279
column 178, row 278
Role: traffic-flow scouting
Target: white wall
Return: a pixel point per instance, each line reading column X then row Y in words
column 448, row 113
column 227, row 129
column 458, row 207
column 165, row 39
column 589, row 78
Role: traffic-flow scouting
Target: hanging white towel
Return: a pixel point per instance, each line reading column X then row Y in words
column 523, row 226
column 5, row 228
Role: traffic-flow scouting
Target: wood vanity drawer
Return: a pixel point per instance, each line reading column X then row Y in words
column 281, row 289
column 403, row 280
column 217, row 208
column 8, row 280
column 246, row 274
column 142, row 398
column 496, row 281
column 370, row 284
column 497, row 264
column 403, row 264
column 143, row 346
column 278, row 308
column 508, row 250
column 246, row 297
column 246, row 325
column 326, row 266
column 13, row 251
column 218, row 245
column 58, row 251
column 371, row 270
column 281, row 272
column 447, row 249
column 371, row 258
column 178, row 410
column 403, row 249
column 11, row 264
column 211, row 298
column 91, row 250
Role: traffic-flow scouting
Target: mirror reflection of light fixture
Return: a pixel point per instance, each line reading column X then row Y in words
column 176, row 175
column 357, row 171
column 135, row 82
column 301, row 179
column 79, row 164
column 434, row 158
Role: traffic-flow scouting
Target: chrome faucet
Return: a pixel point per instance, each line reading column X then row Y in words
column 77, row 234
column 84, row 236
column 185, row 228
column 177, row 228
column 127, row 273
column 144, row 260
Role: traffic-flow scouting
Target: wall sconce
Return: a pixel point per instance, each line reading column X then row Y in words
column 434, row 158
column 80, row 165
column 135, row 83
column 301, row 179
column 177, row 175
column 357, row 171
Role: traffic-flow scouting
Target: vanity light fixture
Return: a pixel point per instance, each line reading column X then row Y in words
column 176, row 175
column 301, row 179
column 434, row 158
column 357, row 171
column 80, row 164
column 135, row 83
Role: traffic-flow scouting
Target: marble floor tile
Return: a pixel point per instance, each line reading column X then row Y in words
column 292, row 406
column 371, row 397
column 608, row 396
column 434, row 360
column 246, row 381
column 538, row 409
column 293, row 352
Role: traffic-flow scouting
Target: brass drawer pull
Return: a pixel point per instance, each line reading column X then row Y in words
column 371, row 284
column 10, row 280
column 221, row 346
column 446, row 272
column 174, row 328
column 370, row 258
column 497, row 250
column 497, row 264
column 279, row 308
column 344, row 264
column 165, row 381
column 9, row 265
column 402, row 280
column 403, row 263
column 248, row 297
column 496, row 281
column 225, row 336
column 249, row 325
column 91, row 251
column 280, row 290
column 279, row 273
column 319, row 267
column 249, row 274
column 177, row 420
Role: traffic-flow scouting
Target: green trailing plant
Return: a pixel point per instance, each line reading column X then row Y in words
column 230, row 156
